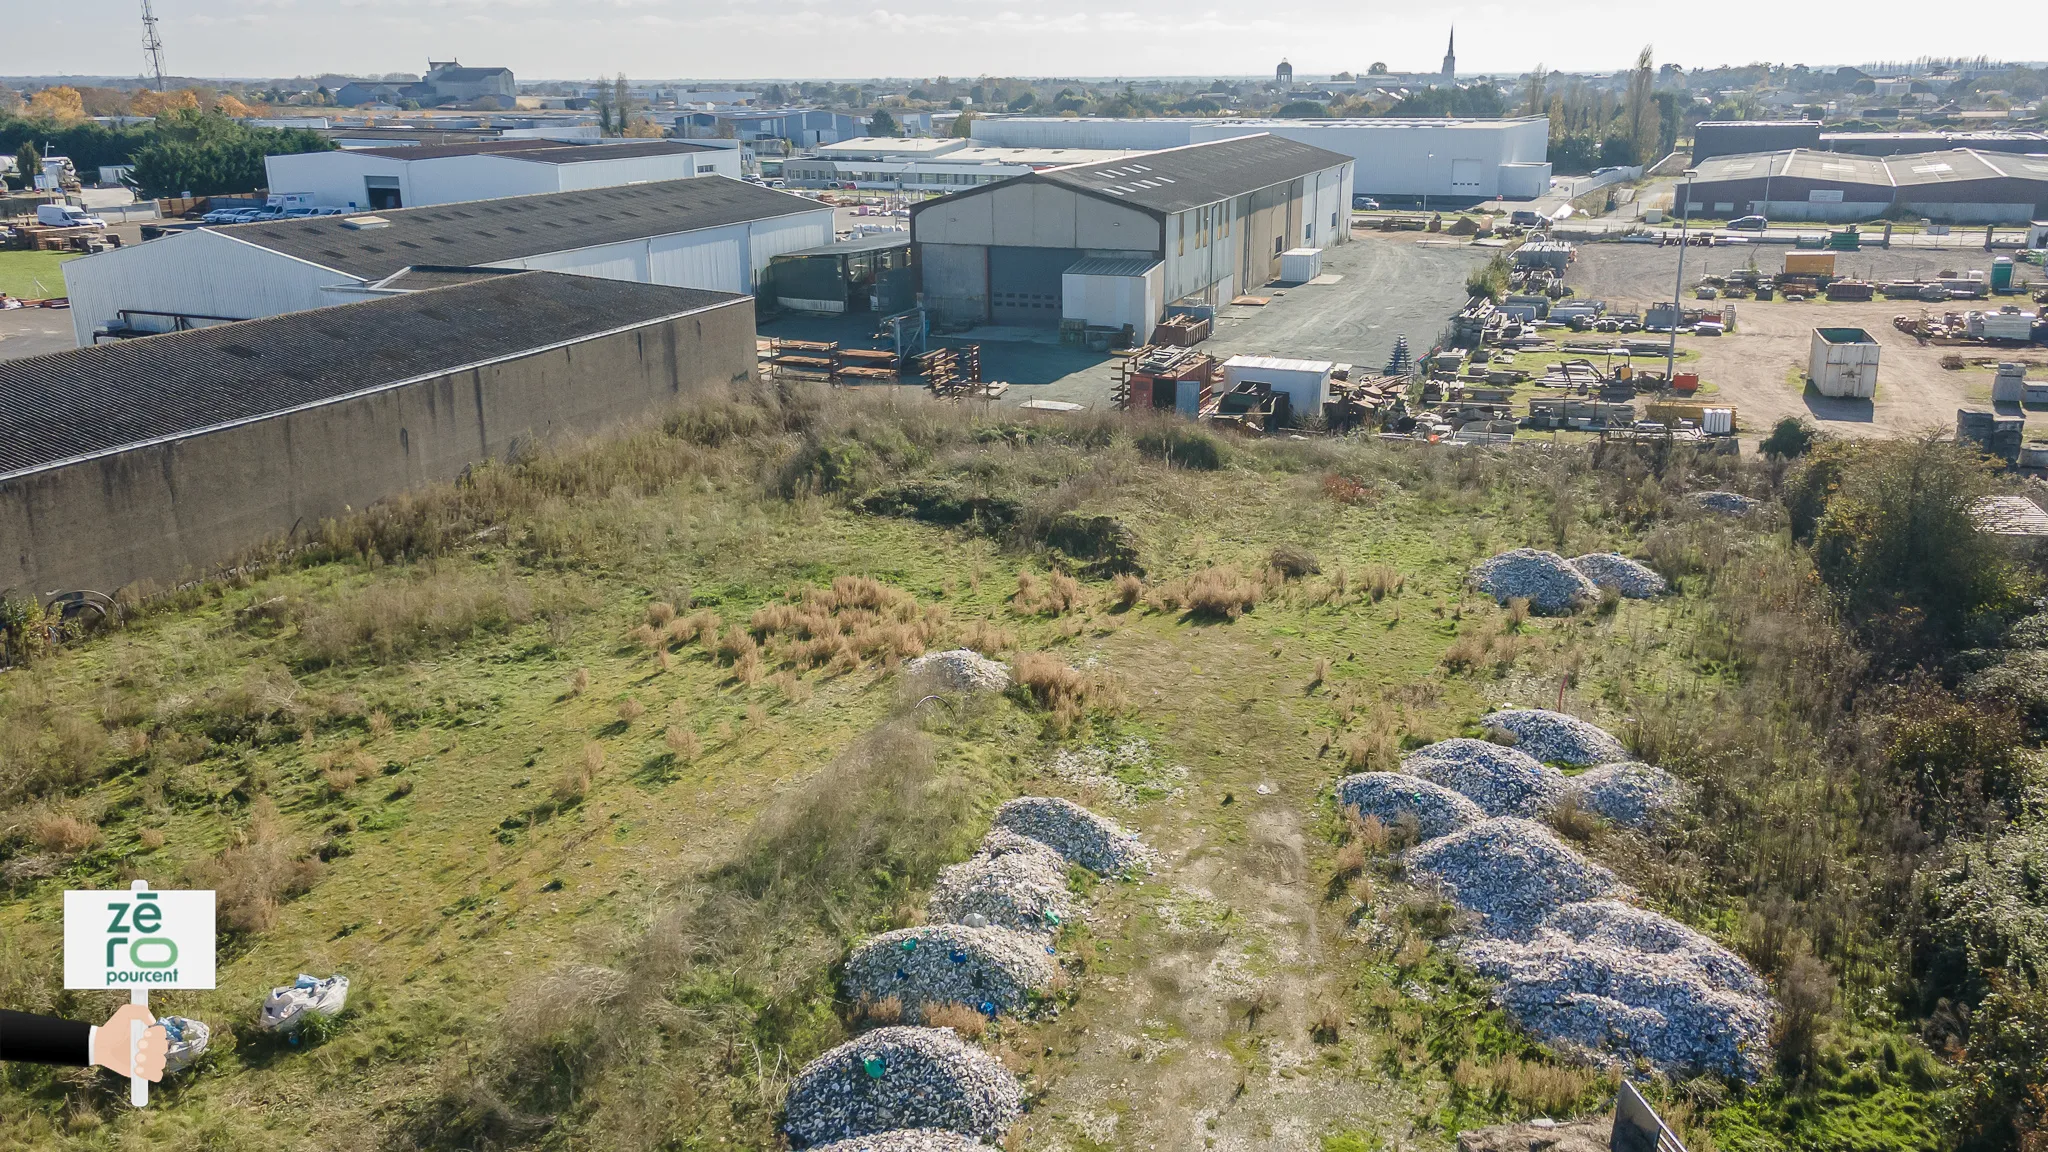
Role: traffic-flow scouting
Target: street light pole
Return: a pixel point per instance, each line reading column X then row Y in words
column 1678, row 289
column 1428, row 165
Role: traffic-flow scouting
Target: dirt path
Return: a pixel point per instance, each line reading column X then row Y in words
column 1203, row 984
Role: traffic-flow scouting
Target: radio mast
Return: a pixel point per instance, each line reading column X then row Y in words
column 153, row 44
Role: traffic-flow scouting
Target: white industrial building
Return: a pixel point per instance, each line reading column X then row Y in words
column 706, row 233
column 1456, row 159
column 924, row 164
column 415, row 177
column 1197, row 224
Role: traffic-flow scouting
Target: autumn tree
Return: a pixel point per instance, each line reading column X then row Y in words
column 62, row 105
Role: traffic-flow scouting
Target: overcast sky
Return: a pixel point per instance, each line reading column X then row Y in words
column 553, row 39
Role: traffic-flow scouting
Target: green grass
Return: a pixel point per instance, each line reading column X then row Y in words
column 461, row 873
column 20, row 273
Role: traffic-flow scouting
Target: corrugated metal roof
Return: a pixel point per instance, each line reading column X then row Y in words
column 537, row 151
column 878, row 242
column 88, row 401
column 1279, row 364
column 2009, row 516
column 1187, row 177
column 1113, row 266
column 515, row 227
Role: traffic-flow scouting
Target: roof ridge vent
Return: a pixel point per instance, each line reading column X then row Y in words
column 360, row 223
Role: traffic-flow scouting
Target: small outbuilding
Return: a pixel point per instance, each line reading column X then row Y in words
column 1305, row 383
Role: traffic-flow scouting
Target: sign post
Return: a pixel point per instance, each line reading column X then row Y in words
column 138, row 940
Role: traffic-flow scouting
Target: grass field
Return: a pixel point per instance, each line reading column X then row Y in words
column 33, row 275
column 590, row 870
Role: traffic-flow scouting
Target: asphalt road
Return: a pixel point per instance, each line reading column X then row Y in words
column 34, row 332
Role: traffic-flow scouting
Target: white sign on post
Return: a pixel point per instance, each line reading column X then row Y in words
column 138, row 940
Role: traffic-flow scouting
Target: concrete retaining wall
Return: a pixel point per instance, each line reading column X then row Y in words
column 179, row 508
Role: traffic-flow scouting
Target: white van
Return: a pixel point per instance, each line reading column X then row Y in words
column 66, row 216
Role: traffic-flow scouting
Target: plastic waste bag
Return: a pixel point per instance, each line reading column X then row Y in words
column 188, row 1039
column 286, row 1008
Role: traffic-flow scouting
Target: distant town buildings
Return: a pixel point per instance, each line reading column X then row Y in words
column 446, row 83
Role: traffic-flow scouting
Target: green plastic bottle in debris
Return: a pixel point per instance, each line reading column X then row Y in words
column 1052, row 918
column 910, row 945
column 876, row 1068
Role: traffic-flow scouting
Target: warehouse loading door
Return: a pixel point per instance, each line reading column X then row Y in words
column 1024, row 284
column 1465, row 178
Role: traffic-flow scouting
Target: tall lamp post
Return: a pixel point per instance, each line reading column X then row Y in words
column 1428, row 165
column 1678, row 289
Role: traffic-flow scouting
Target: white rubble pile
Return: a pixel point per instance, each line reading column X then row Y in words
column 1732, row 503
column 1546, row 580
column 902, row 1077
column 961, row 670
column 1630, row 793
column 905, row 1140
column 1512, row 872
column 1613, row 979
column 988, row 969
column 1556, row 738
column 1126, row 774
column 1003, row 842
column 1099, row 845
column 1392, row 795
column 1017, row 891
column 1613, row 570
column 1501, row 781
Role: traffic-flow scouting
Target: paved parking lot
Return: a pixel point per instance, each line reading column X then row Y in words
column 34, row 332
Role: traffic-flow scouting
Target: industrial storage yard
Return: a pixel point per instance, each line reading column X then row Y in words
column 933, row 615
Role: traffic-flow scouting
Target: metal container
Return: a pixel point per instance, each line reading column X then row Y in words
column 2034, row 454
column 1718, row 422
column 1843, row 362
column 2001, row 274
column 1301, row 265
column 2010, row 385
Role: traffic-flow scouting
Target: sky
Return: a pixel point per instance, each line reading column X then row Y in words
column 723, row 39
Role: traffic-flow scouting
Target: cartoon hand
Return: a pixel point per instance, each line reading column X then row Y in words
column 110, row 1044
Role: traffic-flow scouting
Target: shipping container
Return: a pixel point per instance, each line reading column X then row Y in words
column 1810, row 263
column 1300, row 265
column 1306, row 382
column 1843, row 362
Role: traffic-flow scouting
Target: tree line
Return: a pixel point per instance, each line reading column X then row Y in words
column 183, row 150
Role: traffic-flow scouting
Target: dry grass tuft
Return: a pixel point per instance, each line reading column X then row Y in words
column 1056, row 595
column 66, row 835
column 683, row 742
column 631, row 709
column 1319, row 674
column 959, row 1017
column 1379, row 581
column 1221, row 593
column 1129, row 590
column 1293, row 563
column 254, row 876
column 1518, row 1085
column 579, row 682
column 380, row 724
column 878, row 1013
column 151, row 839
column 1066, row 692
column 988, row 639
column 660, row 613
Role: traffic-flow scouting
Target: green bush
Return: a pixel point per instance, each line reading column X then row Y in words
column 1489, row 280
column 1790, row 438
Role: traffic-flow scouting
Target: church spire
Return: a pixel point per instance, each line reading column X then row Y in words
column 1450, row 69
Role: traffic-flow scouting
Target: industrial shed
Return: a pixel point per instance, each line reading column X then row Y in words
column 157, row 459
column 1218, row 215
column 1957, row 186
column 380, row 179
column 710, row 233
column 1448, row 158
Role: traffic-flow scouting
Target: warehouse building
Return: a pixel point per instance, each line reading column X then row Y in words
column 1454, row 160
column 924, row 164
column 161, row 459
column 1958, row 186
column 414, row 177
column 708, row 233
column 1205, row 221
column 1717, row 138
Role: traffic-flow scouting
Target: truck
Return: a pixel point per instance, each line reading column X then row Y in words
column 66, row 216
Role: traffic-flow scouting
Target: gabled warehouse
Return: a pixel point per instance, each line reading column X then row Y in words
column 709, row 233
column 165, row 457
column 1216, row 215
column 1958, row 186
column 380, row 179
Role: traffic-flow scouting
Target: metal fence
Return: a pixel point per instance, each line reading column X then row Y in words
column 1637, row 1127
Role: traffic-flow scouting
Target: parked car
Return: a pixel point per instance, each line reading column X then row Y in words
column 1365, row 203
column 231, row 216
column 1524, row 218
column 1749, row 223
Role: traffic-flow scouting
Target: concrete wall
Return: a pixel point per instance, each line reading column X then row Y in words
column 178, row 509
column 202, row 272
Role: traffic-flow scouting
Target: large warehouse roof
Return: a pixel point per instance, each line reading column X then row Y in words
column 514, row 227
column 537, row 151
column 1181, row 178
column 1907, row 171
column 111, row 396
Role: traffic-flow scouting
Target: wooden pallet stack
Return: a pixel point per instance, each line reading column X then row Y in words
column 802, row 359
column 955, row 373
